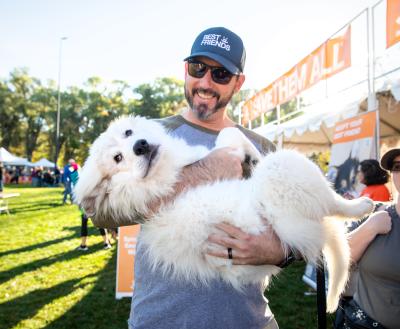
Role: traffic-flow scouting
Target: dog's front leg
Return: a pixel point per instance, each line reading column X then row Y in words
column 243, row 148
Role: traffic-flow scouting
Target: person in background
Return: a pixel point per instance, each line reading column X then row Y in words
column 48, row 179
column 16, row 175
column 374, row 247
column 57, row 176
column 1, row 177
column 374, row 177
column 68, row 169
column 74, row 177
column 84, row 234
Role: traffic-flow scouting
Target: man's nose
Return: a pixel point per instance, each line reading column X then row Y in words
column 141, row 147
column 206, row 80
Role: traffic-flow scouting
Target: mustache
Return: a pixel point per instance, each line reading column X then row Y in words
column 206, row 91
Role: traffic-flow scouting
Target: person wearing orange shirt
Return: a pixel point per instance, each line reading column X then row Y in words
column 375, row 178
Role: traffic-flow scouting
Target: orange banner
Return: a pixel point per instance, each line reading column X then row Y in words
column 359, row 127
column 126, row 255
column 392, row 22
column 330, row 58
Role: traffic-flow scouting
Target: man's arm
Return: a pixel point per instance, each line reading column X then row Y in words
column 219, row 164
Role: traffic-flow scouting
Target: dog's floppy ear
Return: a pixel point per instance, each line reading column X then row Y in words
column 88, row 205
column 85, row 191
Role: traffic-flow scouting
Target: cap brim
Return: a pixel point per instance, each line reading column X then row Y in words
column 388, row 157
column 223, row 61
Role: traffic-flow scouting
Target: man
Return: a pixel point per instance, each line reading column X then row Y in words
column 213, row 74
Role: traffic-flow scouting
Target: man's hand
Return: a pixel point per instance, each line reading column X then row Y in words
column 247, row 249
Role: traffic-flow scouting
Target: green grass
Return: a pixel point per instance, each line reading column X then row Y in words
column 46, row 283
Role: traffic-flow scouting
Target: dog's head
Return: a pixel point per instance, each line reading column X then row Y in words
column 123, row 166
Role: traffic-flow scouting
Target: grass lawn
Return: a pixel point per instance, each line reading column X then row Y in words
column 46, row 283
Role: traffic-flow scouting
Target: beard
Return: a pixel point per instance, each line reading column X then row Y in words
column 202, row 110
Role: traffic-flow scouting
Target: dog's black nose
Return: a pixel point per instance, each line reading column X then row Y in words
column 141, row 147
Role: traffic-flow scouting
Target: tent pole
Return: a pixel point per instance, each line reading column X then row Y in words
column 372, row 101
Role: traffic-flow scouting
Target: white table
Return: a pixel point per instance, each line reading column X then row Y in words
column 4, row 201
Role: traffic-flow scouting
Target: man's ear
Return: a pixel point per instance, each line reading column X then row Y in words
column 186, row 68
column 239, row 82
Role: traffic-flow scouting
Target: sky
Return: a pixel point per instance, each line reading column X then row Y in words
column 138, row 41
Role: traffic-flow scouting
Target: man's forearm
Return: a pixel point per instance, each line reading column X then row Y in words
column 204, row 171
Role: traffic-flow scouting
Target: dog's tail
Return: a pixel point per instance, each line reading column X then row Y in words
column 337, row 256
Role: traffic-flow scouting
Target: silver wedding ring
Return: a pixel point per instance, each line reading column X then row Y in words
column 230, row 253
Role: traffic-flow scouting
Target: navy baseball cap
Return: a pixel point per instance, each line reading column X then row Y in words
column 222, row 46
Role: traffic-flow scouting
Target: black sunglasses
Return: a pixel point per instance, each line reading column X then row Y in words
column 395, row 166
column 219, row 74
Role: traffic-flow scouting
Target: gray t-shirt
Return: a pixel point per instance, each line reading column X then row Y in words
column 378, row 285
column 160, row 302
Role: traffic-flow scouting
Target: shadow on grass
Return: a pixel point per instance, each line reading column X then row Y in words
column 98, row 309
column 38, row 245
column 35, row 265
column 26, row 306
column 14, row 210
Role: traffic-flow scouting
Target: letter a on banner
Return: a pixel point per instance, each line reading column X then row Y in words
column 392, row 22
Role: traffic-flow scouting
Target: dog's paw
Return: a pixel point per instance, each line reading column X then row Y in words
column 230, row 137
column 365, row 205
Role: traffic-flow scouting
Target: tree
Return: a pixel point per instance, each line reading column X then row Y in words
column 9, row 128
column 28, row 112
column 162, row 98
column 29, row 106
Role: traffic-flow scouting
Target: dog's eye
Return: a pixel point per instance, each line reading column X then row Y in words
column 128, row 133
column 118, row 158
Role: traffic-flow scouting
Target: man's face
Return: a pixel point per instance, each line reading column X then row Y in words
column 205, row 96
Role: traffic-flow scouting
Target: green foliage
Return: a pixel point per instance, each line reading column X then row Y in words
column 162, row 98
column 284, row 111
column 237, row 100
column 321, row 159
column 28, row 112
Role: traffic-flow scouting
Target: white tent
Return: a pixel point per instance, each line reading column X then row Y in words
column 6, row 156
column 19, row 162
column 313, row 130
column 43, row 163
column 12, row 160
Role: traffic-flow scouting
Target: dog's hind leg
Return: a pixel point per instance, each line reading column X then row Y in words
column 233, row 137
column 355, row 208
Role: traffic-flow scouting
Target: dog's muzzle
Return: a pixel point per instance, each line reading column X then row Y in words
column 141, row 147
column 147, row 151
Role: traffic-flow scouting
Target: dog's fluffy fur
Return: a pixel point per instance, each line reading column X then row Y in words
column 119, row 180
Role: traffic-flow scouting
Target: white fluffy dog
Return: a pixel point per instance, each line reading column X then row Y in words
column 135, row 161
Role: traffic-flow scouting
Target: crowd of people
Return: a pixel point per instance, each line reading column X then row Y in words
column 36, row 176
